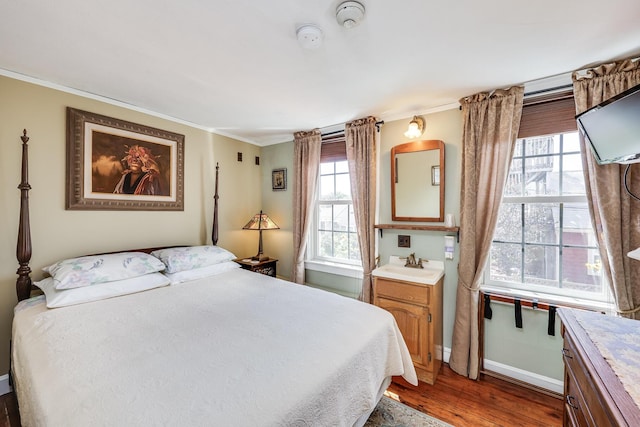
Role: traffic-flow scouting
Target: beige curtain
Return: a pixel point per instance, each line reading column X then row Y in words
column 615, row 214
column 360, row 138
column 490, row 129
column 306, row 166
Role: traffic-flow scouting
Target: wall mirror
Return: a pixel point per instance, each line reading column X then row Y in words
column 417, row 181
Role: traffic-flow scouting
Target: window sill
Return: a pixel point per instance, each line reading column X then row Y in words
column 354, row 271
column 556, row 300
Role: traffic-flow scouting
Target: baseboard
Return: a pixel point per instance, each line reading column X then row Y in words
column 4, row 385
column 520, row 375
column 446, row 353
column 536, row 380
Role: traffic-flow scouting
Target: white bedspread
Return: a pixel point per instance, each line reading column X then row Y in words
column 241, row 349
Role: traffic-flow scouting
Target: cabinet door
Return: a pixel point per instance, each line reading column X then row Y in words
column 412, row 322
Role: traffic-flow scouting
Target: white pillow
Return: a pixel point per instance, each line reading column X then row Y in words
column 190, row 257
column 62, row 298
column 94, row 269
column 199, row 273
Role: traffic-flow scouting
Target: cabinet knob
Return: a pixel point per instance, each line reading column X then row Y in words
column 567, row 353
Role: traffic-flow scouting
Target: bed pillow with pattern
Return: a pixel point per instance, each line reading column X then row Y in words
column 190, row 257
column 95, row 269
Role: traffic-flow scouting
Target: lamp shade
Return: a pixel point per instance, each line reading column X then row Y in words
column 415, row 128
column 261, row 221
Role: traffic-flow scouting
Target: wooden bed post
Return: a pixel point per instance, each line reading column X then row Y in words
column 214, row 232
column 23, row 249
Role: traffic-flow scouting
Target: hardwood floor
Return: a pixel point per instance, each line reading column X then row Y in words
column 453, row 399
column 9, row 416
column 488, row 402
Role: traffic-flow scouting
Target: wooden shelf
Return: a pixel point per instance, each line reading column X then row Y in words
column 418, row 227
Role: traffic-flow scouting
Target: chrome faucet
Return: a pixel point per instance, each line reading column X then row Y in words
column 411, row 261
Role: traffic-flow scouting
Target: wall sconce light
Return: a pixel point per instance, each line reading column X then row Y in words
column 260, row 222
column 416, row 127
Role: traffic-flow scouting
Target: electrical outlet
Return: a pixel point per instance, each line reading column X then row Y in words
column 404, row 241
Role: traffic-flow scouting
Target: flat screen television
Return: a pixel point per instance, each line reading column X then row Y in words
column 612, row 128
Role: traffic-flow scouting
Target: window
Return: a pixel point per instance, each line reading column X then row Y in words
column 335, row 236
column 333, row 240
column 544, row 241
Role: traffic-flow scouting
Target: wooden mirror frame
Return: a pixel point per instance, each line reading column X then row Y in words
column 411, row 147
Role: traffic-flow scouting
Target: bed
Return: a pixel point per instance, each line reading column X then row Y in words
column 227, row 347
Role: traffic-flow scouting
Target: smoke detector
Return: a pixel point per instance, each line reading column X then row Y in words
column 309, row 36
column 349, row 13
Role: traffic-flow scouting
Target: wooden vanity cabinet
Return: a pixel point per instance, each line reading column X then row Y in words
column 417, row 309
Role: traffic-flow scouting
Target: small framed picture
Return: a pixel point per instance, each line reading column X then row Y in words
column 435, row 175
column 279, row 179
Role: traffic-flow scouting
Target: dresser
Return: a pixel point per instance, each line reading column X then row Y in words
column 417, row 309
column 602, row 365
column 267, row 267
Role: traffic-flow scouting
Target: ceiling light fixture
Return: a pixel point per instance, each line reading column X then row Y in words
column 349, row 13
column 309, row 36
column 416, row 127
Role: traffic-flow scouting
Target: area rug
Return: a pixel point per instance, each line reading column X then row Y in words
column 391, row 413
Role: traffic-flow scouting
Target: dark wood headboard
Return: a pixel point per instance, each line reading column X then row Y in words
column 24, row 283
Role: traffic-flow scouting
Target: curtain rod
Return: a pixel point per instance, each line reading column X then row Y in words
column 542, row 91
column 551, row 89
column 381, row 122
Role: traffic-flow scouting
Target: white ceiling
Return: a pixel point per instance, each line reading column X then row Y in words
column 235, row 67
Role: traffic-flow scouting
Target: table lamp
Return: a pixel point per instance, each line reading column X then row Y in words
column 260, row 222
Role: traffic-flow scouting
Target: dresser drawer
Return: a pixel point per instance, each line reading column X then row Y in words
column 581, row 395
column 576, row 410
column 414, row 293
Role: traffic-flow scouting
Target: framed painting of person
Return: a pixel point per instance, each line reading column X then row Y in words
column 119, row 165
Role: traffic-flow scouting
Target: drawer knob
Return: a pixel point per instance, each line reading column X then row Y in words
column 571, row 401
column 567, row 353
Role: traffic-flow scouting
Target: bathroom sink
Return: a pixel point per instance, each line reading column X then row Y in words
column 431, row 272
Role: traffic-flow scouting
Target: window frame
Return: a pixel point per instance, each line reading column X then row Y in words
column 333, row 151
column 544, row 115
column 548, row 293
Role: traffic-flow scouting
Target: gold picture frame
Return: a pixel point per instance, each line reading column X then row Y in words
column 113, row 164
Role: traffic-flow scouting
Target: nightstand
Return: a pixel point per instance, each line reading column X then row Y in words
column 267, row 267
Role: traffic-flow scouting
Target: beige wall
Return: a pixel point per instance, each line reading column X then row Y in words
column 58, row 233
